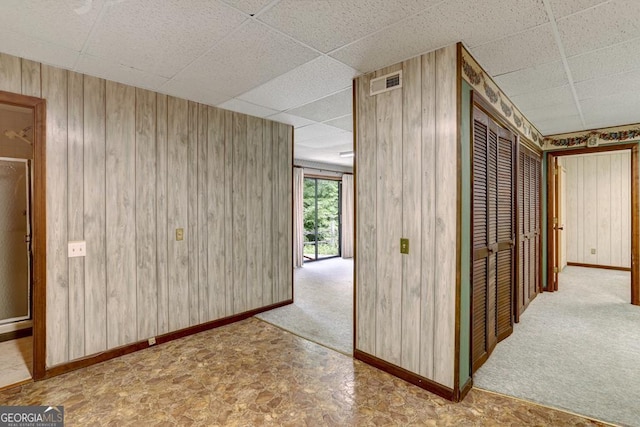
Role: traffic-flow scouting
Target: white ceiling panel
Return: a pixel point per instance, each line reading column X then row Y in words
column 327, row 25
column 544, row 114
column 303, row 84
column 161, row 37
column 290, row 119
column 18, row 44
column 93, row 66
column 250, row 7
column 549, row 97
column 609, row 23
column 343, row 141
column 247, row 108
column 330, row 156
column 345, row 123
column 612, row 110
column 558, row 124
column 63, row 23
column 314, row 131
column 518, row 51
column 246, row 59
column 189, row 90
column 607, row 61
column 562, row 8
column 607, row 86
column 533, row 79
column 331, row 107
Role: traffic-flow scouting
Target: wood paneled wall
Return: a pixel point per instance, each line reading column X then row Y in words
column 126, row 167
column 598, row 202
column 406, row 172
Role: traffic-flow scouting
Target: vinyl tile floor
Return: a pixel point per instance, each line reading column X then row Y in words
column 252, row 373
column 15, row 361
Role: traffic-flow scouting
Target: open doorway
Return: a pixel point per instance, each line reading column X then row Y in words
column 22, row 238
column 322, row 218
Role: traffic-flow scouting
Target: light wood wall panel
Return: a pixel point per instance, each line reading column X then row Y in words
column 406, row 187
column 598, row 196
column 125, row 168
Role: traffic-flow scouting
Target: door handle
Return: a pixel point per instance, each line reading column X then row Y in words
column 560, row 228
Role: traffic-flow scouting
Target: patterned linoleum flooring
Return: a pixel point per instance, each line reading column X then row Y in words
column 252, row 373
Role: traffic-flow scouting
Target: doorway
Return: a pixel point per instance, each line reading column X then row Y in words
column 322, row 218
column 22, row 234
column 556, row 218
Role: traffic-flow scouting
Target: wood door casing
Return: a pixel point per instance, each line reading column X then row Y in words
column 493, row 235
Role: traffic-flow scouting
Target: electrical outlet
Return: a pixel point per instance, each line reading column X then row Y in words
column 152, row 341
column 593, row 251
column 179, row 233
column 77, row 248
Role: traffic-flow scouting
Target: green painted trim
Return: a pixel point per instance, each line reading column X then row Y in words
column 465, row 247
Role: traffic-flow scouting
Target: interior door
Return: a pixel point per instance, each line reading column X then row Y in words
column 562, row 202
column 14, row 241
column 553, row 258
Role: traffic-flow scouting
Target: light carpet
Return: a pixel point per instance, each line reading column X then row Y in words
column 323, row 305
column 577, row 349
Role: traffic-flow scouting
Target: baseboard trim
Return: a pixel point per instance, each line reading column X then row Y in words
column 605, row 267
column 14, row 385
column 466, row 388
column 408, row 376
column 160, row 339
column 14, row 335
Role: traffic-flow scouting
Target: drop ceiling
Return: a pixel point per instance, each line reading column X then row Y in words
column 567, row 64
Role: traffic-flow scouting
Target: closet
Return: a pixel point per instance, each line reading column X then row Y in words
column 529, row 228
column 493, row 235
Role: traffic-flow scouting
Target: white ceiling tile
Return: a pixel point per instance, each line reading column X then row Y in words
column 442, row 25
column 345, row 123
column 302, row 85
column 250, row 7
column 612, row 110
column 533, row 79
column 609, row 85
column 343, row 141
column 327, row 25
column 611, row 60
column 329, row 156
column 248, row 108
column 161, row 37
column 562, row 8
column 518, row 51
column 37, row 50
column 246, row 59
column 544, row 114
column 315, row 131
column 609, row 23
column 333, row 106
column 558, row 125
column 62, row 23
column 545, row 98
column 98, row 67
column 187, row 89
column 290, row 119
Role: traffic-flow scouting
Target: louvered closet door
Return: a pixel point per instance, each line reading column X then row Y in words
column 493, row 232
column 529, row 176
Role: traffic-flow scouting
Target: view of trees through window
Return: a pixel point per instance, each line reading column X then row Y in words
column 321, row 218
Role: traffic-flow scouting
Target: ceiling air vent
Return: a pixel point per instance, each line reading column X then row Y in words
column 386, row 83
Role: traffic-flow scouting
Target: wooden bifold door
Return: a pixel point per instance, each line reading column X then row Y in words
column 493, row 235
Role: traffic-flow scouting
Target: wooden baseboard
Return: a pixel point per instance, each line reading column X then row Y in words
column 18, row 384
column 14, row 335
column 605, row 267
column 160, row 339
column 408, row 376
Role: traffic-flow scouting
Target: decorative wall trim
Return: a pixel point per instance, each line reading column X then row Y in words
column 593, row 138
column 473, row 74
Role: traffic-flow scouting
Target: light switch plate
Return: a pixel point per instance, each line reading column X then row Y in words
column 404, row 246
column 593, row 251
column 179, row 233
column 77, row 248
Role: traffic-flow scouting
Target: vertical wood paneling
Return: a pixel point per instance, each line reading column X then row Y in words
column 366, row 196
column 446, row 207
column 288, row 214
column 239, row 187
column 162, row 224
column 625, row 209
column 95, row 273
column 10, row 73
column 389, row 223
column 580, row 218
column 275, row 286
column 75, row 185
column 192, row 214
column 615, row 191
column 120, row 215
column 228, row 212
column 428, row 217
column 145, row 210
column 54, row 89
column 603, row 206
column 218, row 223
column 572, row 205
column 254, row 211
column 285, row 242
column 267, row 214
column 31, row 78
column 203, row 224
column 411, row 208
column 590, row 210
column 178, row 265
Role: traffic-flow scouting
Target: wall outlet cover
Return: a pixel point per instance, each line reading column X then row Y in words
column 77, row 248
